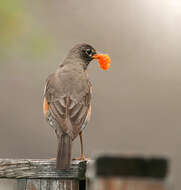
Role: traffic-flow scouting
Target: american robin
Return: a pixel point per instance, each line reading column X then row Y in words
column 67, row 97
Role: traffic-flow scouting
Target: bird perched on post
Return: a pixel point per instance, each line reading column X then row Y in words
column 67, row 98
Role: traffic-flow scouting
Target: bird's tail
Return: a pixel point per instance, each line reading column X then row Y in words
column 64, row 152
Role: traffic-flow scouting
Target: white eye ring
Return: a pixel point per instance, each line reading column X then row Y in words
column 89, row 51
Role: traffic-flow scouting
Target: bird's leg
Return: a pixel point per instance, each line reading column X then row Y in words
column 82, row 157
column 82, row 147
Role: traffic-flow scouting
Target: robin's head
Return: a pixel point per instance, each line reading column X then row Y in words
column 83, row 51
column 87, row 53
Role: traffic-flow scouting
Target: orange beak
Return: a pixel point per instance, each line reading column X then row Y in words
column 103, row 59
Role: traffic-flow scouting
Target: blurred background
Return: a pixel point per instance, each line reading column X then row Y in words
column 136, row 104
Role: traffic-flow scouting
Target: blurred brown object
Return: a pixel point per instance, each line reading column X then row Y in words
column 128, row 173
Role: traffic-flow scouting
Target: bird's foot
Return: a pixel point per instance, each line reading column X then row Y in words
column 52, row 159
column 81, row 158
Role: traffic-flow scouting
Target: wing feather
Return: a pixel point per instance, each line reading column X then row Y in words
column 70, row 114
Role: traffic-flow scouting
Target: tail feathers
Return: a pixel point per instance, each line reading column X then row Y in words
column 64, row 152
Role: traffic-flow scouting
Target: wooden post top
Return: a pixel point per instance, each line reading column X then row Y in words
column 115, row 172
column 40, row 168
column 135, row 166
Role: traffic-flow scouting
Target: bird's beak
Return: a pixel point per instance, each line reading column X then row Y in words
column 103, row 59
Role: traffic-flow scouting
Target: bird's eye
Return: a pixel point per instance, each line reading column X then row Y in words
column 89, row 52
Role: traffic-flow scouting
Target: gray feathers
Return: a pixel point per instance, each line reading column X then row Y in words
column 68, row 92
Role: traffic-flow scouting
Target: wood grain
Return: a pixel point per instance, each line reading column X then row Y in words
column 38, row 184
column 30, row 168
column 25, row 174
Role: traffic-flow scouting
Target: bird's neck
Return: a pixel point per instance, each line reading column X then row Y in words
column 77, row 61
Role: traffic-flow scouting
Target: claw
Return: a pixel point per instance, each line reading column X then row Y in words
column 52, row 158
column 81, row 158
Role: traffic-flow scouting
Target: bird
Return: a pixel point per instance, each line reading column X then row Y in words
column 67, row 99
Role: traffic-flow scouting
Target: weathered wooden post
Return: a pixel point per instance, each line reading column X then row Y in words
column 128, row 173
column 26, row 174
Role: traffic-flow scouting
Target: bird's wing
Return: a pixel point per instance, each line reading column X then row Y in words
column 70, row 114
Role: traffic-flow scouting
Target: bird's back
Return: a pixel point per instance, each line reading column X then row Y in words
column 68, row 94
column 68, row 81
